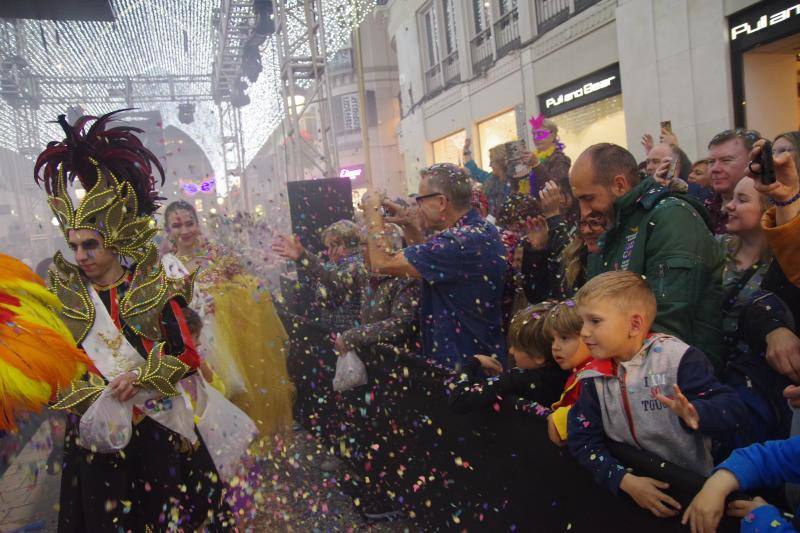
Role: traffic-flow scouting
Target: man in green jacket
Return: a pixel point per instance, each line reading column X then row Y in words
column 662, row 235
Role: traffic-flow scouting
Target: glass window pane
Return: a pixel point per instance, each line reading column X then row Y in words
column 432, row 37
column 480, row 13
column 497, row 130
column 450, row 149
column 449, row 25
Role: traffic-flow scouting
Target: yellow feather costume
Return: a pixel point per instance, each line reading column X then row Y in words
column 37, row 351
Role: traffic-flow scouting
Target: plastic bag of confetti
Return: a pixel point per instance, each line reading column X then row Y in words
column 350, row 372
column 106, row 426
column 226, row 430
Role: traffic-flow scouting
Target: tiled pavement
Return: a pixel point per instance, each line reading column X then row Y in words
column 28, row 494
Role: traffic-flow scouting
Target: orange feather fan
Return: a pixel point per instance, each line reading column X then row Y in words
column 37, row 352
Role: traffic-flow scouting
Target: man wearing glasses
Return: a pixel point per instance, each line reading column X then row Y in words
column 463, row 265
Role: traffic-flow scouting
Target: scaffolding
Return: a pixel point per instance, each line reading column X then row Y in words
column 234, row 24
column 306, row 90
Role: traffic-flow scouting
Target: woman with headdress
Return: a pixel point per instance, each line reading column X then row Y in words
column 549, row 162
column 133, row 459
column 243, row 338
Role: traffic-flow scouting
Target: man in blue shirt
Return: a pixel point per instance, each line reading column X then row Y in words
column 463, row 266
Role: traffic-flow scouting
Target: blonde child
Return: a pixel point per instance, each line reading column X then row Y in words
column 631, row 405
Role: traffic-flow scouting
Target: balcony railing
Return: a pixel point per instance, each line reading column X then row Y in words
column 481, row 48
column 551, row 13
column 452, row 72
column 580, row 5
column 433, row 79
column 506, row 31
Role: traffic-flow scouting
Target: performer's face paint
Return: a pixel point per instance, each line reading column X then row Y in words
column 183, row 229
column 93, row 258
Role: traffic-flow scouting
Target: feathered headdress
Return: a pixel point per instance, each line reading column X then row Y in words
column 37, row 351
column 117, row 172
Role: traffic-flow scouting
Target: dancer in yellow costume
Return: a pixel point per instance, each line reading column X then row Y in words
column 244, row 340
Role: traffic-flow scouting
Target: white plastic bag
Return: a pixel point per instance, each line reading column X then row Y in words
column 106, row 426
column 350, row 372
column 226, row 430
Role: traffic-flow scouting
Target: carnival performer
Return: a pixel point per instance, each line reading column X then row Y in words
column 243, row 339
column 133, row 460
column 548, row 160
column 37, row 352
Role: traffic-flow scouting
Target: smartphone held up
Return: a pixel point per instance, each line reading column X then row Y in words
column 765, row 161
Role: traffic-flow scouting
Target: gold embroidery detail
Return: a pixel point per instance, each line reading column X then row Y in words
column 162, row 372
column 80, row 395
column 65, row 281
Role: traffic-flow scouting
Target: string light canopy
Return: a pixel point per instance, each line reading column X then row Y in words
column 149, row 39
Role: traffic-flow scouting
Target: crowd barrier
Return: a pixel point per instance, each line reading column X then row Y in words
column 489, row 470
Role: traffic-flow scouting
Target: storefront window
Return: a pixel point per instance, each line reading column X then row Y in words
column 602, row 121
column 449, row 149
column 497, row 130
column 772, row 86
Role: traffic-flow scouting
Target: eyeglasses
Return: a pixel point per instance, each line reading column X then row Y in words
column 420, row 198
column 590, row 224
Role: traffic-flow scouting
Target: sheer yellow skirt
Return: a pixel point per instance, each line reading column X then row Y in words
column 249, row 330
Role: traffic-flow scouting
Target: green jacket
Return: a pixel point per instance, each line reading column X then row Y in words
column 666, row 237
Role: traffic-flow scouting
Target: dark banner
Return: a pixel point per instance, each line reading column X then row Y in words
column 596, row 86
column 315, row 205
column 763, row 22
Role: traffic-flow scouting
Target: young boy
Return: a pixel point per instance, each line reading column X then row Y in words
column 563, row 325
column 534, row 375
column 631, row 405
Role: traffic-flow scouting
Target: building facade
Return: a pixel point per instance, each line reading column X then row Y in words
column 265, row 176
column 607, row 70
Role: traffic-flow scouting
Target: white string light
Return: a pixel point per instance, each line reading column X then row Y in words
column 160, row 38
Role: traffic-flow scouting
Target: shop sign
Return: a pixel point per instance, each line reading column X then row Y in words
column 586, row 90
column 353, row 172
column 763, row 22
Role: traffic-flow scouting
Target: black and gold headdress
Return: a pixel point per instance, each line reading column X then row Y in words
column 117, row 172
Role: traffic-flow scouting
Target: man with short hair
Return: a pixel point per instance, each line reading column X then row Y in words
column 659, row 154
column 663, row 235
column 728, row 157
column 463, row 266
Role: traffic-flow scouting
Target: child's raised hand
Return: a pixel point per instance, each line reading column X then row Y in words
column 705, row 511
column 646, row 492
column 681, row 406
column 490, row 365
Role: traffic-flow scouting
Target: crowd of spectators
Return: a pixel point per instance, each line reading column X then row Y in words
column 651, row 303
